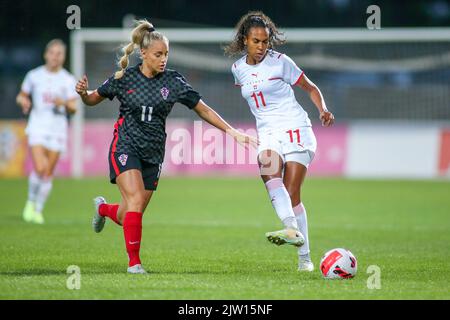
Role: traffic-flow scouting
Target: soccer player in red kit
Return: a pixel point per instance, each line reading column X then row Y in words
column 147, row 93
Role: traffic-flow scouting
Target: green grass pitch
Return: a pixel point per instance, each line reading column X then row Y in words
column 204, row 239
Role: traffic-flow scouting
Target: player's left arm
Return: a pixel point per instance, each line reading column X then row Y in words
column 209, row 115
column 70, row 104
column 326, row 117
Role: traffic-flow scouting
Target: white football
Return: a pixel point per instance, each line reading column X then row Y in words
column 338, row 263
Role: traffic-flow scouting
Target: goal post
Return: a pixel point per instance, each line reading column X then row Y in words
column 416, row 60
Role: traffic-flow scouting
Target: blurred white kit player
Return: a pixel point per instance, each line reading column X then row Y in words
column 283, row 126
column 47, row 94
column 48, row 124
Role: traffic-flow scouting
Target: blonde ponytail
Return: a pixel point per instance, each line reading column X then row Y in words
column 139, row 38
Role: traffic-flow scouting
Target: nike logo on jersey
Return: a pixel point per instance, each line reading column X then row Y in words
column 255, row 74
column 131, row 91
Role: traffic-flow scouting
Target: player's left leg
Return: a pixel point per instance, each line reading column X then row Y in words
column 34, row 181
column 46, row 183
column 294, row 176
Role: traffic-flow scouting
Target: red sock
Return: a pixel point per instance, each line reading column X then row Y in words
column 110, row 211
column 132, row 229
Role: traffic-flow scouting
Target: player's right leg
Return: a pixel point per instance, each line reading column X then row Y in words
column 286, row 236
column 271, row 166
column 104, row 210
column 98, row 221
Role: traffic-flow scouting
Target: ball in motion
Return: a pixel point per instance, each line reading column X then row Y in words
column 338, row 263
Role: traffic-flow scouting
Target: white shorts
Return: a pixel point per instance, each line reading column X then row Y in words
column 296, row 144
column 57, row 143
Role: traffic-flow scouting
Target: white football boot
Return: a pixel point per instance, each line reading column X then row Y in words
column 136, row 269
column 289, row 236
column 98, row 222
column 38, row 218
column 28, row 211
column 305, row 263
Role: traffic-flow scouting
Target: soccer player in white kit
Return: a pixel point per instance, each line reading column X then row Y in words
column 286, row 140
column 47, row 95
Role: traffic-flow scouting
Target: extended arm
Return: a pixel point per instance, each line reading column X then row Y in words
column 90, row 98
column 210, row 116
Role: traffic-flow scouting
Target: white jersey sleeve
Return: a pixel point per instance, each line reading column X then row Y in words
column 27, row 84
column 235, row 76
column 291, row 72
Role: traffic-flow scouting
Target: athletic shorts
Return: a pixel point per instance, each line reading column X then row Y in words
column 121, row 162
column 57, row 143
column 296, row 144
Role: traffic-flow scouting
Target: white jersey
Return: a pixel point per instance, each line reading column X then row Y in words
column 44, row 86
column 267, row 88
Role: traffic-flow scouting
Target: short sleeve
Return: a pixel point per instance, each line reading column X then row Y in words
column 27, row 84
column 108, row 89
column 291, row 72
column 236, row 80
column 186, row 95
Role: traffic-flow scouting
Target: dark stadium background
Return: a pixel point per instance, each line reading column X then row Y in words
column 26, row 26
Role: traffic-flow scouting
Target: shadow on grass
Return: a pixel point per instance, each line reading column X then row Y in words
column 116, row 271
column 121, row 269
column 84, row 269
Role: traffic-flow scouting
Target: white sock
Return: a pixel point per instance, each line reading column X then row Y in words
column 34, row 182
column 302, row 221
column 42, row 195
column 281, row 202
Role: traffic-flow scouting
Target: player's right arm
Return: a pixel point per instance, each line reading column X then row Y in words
column 89, row 97
column 24, row 101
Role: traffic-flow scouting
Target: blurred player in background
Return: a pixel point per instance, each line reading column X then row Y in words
column 47, row 95
column 287, row 142
column 147, row 93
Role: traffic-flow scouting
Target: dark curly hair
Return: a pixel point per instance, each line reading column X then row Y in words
column 248, row 21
